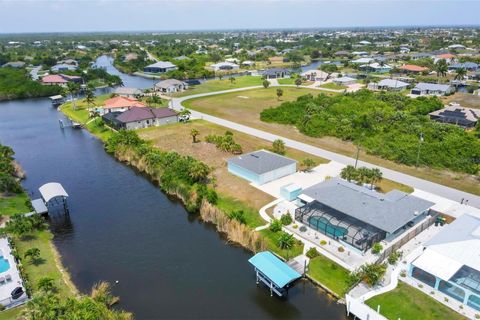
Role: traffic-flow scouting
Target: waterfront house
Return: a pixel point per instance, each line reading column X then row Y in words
column 411, row 68
column 388, row 84
column 120, row 104
column 357, row 216
column 14, row 64
column 362, row 61
column 171, row 86
column 344, row 81
column 450, row 262
column 276, row 73
column 469, row 66
column 375, row 67
column 262, row 166
column 160, row 67
column 448, row 57
column 223, row 66
column 248, row 63
column 138, row 118
column 315, row 75
column 60, row 79
column 432, row 89
column 12, row 286
column 128, row 92
column 455, row 114
column 63, row 67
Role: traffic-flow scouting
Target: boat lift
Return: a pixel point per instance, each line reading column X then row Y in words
column 53, row 199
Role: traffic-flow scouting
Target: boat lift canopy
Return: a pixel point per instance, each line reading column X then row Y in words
column 52, row 190
column 277, row 271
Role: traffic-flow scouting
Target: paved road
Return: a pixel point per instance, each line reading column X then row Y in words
column 444, row 191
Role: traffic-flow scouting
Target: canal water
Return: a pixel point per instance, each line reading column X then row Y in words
column 168, row 264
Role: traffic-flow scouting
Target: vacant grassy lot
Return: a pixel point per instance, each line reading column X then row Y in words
column 330, row 274
column 245, row 107
column 466, row 100
column 224, row 84
column 14, row 204
column 176, row 137
column 333, row 86
column 406, row 302
column 292, row 81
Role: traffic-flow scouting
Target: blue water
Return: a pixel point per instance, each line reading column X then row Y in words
column 4, row 265
column 322, row 224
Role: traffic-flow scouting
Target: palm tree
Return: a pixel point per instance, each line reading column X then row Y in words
column 308, row 163
column 232, row 80
column 286, row 242
column 33, row 254
column 298, row 82
column 364, row 175
column 89, row 95
column 266, row 83
column 73, row 88
column 441, row 68
column 375, row 176
column 279, row 93
column 194, row 133
column 46, row 284
column 348, row 173
column 461, row 73
column 101, row 292
column 198, row 171
column 278, row 146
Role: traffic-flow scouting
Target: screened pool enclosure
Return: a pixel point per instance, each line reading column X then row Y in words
column 338, row 225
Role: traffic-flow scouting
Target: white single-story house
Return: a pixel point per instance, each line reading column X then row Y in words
column 388, row 84
column 432, row 89
column 450, row 262
column 344, row 81
column 362, row 61
column 224, row 66
column 315, row 75
column 160, row 67
column 171, row 85
column 248, row 63
column 375, row 67
column 128, row 92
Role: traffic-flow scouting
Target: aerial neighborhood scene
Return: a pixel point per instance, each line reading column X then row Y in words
column 220, row 159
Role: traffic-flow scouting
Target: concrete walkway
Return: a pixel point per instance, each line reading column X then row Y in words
column 417, row 183
column 264, row 214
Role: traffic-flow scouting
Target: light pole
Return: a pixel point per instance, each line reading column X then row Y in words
column 358, row 154
column 421, row 138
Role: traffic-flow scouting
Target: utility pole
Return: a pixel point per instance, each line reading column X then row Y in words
column 421, row 139
column 358, row 154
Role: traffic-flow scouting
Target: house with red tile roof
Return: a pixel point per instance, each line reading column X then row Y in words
column 121, row 104
column 59, row 79
column 411, row 68
column 448, row 57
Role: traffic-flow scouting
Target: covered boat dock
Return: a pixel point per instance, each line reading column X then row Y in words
column 273, row 272
column 53, row 196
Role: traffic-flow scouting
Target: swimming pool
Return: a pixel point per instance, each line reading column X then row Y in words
column 4, row 265
column 321, row 224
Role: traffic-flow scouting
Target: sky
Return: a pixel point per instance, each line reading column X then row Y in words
column 20, row 16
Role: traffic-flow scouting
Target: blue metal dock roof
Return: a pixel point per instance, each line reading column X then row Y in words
column 273, row 268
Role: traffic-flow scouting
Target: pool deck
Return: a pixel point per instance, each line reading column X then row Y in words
column 7, row 287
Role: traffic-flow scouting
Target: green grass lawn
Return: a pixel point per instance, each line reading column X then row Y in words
column 272, row 242
column 330, row 274
column 14, row 204
column 408, row 303
column 11, row 314
column 224, row 84
column 228, row 205
column 333, row 86
column 292, row 81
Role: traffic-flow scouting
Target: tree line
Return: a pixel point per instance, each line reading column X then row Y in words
column 385, row 124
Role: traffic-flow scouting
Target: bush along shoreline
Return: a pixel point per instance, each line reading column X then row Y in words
column 185, row 178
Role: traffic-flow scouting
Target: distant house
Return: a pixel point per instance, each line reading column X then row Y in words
column 223, row 66
column 63, row 67
column 260, row 167
column 448, row 57
column 160, row 67
column 171, row 85
column 449, row 262
column 276, row 73
column 411, row 68
column 248, row 63
column 14, row 64
column 389, row 85
column 421, row 55
column 342, row 53
column 362, row 61
column 364, row 43
column 360, row 53
column 404, row 50
column 60, row 79
column 457, row 47
column 344, row 81
column 120, row 104
column 315, row 75
column 138, row 118
column 128, row 92
column 180, row 58
column 455, row 114
column 375, row 67
column 469, row 66
column 432, row 89
column 277, row 59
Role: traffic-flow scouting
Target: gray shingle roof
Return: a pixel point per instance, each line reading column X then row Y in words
column 391, row 83
column 161, row 64
column 432, row 86
column 388, row 212
column 139, row 114
column 261, row 161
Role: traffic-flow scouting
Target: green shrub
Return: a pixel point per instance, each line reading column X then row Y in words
column 341, row 249
column 312, row 253
column 275, row 225
column 394, row 257
column 286, row 219
column 377, row 248
column 238, row 215
column 323, row 242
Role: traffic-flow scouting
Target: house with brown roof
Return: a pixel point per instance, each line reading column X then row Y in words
column 59, row 79
column 120, row 104
column 138, row 118
column 411, row 68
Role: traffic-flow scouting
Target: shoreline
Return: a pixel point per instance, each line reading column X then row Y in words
column 66, row 276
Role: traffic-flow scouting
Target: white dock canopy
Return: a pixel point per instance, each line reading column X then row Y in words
column 57, row 97
column 52, row 190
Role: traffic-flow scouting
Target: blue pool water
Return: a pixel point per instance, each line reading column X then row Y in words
column 4, row 265
column 322, row 225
